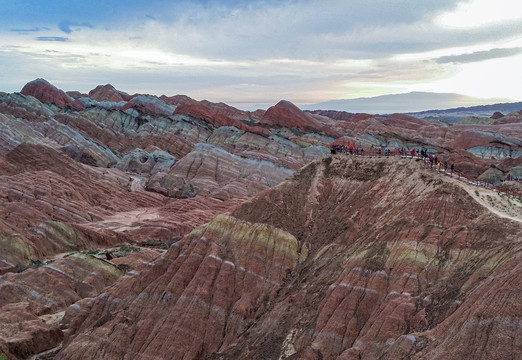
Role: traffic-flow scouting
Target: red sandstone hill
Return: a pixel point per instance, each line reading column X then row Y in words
column 177, row 99
column 352, row 258
column 286, row 114
column 333, row 114
column 42, row 189
column 215, row 108
column 49, row 94
column 216, row 116
column 349, row 259
column 108, row 93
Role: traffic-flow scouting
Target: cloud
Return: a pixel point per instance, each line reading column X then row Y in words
column 265, row 29
column 67, row 26
column 309, row 29
column 258, row 50
column 31, row 30
column 480, row 55
column 52, row 38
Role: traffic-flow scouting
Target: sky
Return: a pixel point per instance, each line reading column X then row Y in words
column 261, row 51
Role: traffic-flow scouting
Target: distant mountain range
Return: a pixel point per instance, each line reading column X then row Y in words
column 413, row 102
column 485, row 111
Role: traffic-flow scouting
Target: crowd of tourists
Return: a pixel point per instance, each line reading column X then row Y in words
column 429, row 157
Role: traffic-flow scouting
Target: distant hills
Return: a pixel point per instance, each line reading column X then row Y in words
column 415, row 102
column 486, row 111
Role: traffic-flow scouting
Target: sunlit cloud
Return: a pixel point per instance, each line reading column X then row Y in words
column 480, row 13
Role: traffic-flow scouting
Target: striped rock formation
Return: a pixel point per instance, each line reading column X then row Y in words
column 345, row 260
column 348, row 259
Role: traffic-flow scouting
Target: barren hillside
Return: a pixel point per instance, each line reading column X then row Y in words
column 348, row 259
column 137, row 226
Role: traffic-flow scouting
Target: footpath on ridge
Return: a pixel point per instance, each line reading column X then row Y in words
column 504, row 203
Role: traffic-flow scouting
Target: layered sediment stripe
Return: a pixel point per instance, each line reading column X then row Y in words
column 220, row 277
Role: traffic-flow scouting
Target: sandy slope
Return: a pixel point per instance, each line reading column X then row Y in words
column 502, row 205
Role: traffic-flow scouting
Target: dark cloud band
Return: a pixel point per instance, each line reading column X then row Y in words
column 52, row 38
column 480, row 55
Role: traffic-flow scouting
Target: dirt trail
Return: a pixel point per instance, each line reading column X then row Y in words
column 501, row 205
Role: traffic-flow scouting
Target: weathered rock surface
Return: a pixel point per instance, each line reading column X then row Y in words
column 73, row 277
column 139, row 161
column 212, row 172
column 49, row 94
column 149, row 104
column 228, row 256
column 57, row 205
column 216, row 116
column 31, row 311
column 23, row 334
column 497, row 115
column 175, row 219
column 492, row 175
column 28, row 304
column 286, row 114
column 108, row 93
column 143, row 121
column 349, row 258
column 53, row 134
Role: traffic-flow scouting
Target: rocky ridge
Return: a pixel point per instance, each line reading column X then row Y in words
column 299, row 272
column 89, row 172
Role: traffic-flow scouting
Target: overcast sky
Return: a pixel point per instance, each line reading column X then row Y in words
column 258, row 52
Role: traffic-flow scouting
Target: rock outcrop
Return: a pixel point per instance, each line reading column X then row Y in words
column 213, row 172
column 175, row 124
column 216, row 116
column 108, row 93
column 225, row 254
column 31, row 310
column 347, row 259
column 139, row 161
column 49, row 94
column 23, row 334
column 149, row 104
column 285, row 114
column 497, row 115
column 47, row 193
